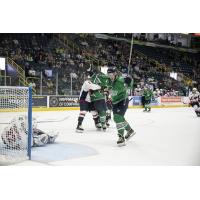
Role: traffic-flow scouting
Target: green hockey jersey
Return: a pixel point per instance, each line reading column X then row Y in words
column 119, row 88
column 148, row 94
column 101, row 80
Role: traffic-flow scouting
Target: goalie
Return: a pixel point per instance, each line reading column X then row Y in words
column 15, row 135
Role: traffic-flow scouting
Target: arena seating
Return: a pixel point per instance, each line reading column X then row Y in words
column 76, row 52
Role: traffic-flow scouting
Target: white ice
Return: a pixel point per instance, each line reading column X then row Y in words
column 166, row 136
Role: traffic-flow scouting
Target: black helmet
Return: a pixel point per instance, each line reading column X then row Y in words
column 124, row 70
column 111, row 70
column 89, row 73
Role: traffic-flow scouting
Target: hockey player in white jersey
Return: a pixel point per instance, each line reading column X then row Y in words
column 194, row 98
column 86, row 105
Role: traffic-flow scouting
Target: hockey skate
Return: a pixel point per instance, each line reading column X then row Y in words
column 108, row 118
column 98, row 126
column 121, row 141
column 130, row 134
column 104, row 127
column 107, row 124
column 79, row 129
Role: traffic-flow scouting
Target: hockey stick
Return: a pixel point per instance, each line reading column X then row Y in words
column 130, row 99
column 51, row 120
column 44, row 121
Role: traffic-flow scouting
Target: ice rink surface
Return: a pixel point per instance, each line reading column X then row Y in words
column 166, row 136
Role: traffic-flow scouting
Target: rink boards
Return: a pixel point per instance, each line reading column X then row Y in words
column 71, row 103
column 56, row 103
column 77, row 108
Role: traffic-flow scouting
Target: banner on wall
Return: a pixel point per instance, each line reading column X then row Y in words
column 39, row 101
column 73, row 101
column 137, row 101
column 155, row 102
column 63, row 101
column 170, row 99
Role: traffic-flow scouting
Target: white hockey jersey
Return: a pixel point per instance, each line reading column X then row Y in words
column 86, row 87
column 194, row 97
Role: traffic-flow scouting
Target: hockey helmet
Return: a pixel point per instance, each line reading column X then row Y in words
column 194, row 89
column 124, row 70
column 111, row 70
column 89, row 73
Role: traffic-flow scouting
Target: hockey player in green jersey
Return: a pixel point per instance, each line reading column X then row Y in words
column 148, row 96
column 119, row 94
column 98, row 96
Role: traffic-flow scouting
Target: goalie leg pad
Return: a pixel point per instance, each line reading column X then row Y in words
column 52, row 137
column 40, row 140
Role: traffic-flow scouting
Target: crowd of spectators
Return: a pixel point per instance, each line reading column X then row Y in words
column 142, row 68
column 40, row 54
column 138, row 91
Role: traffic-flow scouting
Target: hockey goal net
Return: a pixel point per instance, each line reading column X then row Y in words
column 15, row 124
